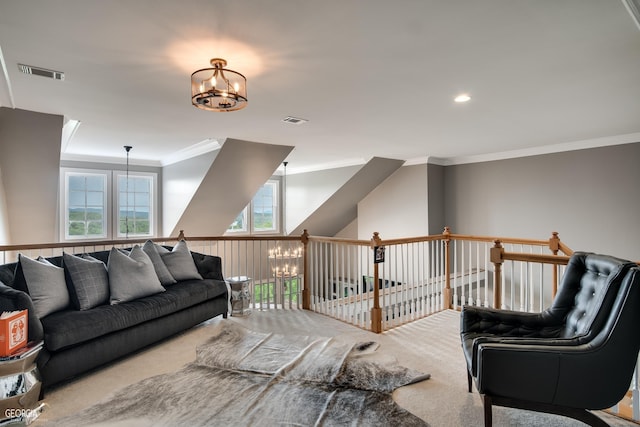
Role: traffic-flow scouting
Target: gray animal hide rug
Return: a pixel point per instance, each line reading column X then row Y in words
column 245, row 378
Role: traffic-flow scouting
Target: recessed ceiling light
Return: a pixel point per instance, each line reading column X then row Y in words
column 463, row 97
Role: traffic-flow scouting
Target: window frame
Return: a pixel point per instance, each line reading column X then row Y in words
column 111, row 204
column 249, row 212
column 153, row 204
column 64, row 214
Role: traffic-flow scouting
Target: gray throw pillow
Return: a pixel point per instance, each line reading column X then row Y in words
column 164, row 275
column 131, row 277
column 89, row 281
column 179, row 261
column 46, row 284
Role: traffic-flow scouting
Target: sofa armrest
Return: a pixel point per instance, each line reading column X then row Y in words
column 209, row 266
column 13, row 299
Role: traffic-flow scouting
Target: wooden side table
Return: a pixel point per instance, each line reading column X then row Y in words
column 20, row 386
column 240, row 295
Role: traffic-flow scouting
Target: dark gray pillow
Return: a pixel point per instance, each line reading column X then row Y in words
column 179, row 261
column 88, row 279
column 164, row 275
column 131, row 277
column 46, row 284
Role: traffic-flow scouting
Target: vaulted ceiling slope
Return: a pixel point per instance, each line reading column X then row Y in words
column 235, row 175
column 341, row 208
column 374, row 78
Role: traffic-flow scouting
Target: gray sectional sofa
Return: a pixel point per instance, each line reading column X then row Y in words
column 150, row 294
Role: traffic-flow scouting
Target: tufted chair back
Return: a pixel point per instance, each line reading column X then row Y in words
column 585, row 296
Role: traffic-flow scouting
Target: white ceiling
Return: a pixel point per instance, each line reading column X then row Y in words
column 373, row 77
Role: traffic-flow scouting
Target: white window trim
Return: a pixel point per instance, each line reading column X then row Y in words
column 247, row 226
column 64, row 212
column 249, row 214
column 111, row 203
column 153, row 215
column 276, row 206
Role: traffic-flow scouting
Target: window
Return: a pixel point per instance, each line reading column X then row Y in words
column 85, row 215
column 91, row 198
column 240, row 223
column 263, row 209
column 135, row 205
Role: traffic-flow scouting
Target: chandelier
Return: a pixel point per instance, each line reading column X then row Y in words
column 218, row 89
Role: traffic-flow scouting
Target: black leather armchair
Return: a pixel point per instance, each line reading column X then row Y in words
column 577, row 355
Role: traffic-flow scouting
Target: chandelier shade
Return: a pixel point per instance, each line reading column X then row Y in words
column 218, row 88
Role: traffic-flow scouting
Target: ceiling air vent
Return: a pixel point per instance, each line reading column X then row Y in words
column 294, row 120
column 37, row 71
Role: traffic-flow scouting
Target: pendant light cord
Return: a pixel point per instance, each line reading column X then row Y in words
column 126, row 217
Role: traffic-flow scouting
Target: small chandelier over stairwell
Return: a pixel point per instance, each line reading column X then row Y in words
column 218, row 89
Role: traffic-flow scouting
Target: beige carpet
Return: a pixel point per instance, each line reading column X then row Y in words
column 430, row 345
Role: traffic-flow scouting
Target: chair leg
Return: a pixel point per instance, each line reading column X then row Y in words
column 486, row 403
column 469, row 380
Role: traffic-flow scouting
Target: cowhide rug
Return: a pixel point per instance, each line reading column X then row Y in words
column 246, row 378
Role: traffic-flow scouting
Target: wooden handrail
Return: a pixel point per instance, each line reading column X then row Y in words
column 540, row 258
column 510, row 240
column 499, row 255
column 10, row 248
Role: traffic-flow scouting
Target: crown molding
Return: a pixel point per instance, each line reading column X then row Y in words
column 197, row 149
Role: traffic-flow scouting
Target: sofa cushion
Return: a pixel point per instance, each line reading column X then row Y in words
column 46, row 285
column 70, row 327
column 209, row 266
column 164, row 275
column 88, row 280
column 132, row 276
column 179, row 261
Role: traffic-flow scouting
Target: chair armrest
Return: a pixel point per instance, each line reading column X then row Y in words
column 13, row 299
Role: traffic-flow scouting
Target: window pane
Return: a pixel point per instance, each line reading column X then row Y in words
column 95, row 198
column 264, row 209
column 240, row 223
column 76, row 228
column 76, row 198
column 141, row 185
column 95, row 183
column 77, row 183
column 142, row 199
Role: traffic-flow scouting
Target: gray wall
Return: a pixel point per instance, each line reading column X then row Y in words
column 30, row 167
column 306, row 192
column 591, row 197
column 435, row 204
column 179, row 183
column 397, row 207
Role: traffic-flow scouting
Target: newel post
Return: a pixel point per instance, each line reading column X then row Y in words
column 497, row 259
column 554, row 246
column 376, row 311
column 447, row 263
column 306, row 291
